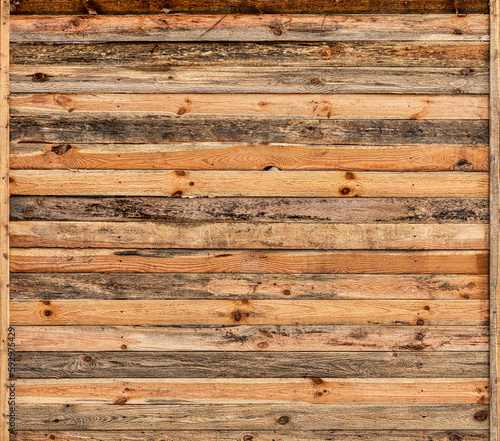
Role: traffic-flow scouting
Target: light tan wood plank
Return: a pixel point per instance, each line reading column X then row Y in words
column 248, row 184
column 253, row 338
column 244, row 235
column 252, row 262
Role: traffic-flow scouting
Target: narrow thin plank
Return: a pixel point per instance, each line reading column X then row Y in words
column 102, row 79
column 252, row 262
column 275, row 416
column 253, row 312
column 252, row 338
column 95, row 286
column 341, row 54
column 220, row 364
column 111, row 127
column 250, row 7
column 132, row 391
column 348, row 106
column 247, row 183
column 243, row 235
column 366, row 27
column 219, row 156
column 260, row 435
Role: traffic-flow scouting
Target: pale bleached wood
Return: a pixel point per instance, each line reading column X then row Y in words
column 253, row 262
column 102, row 79
column 428, row 27
column 236, row 417
column 243, row 235
column 97, row 286
column 347, row 106
column 248, row 184
column 245, row 392
column 226, row 156
column 253, row 338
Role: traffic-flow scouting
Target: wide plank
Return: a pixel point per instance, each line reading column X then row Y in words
column 318, row 210
column 272, row 27
column 252, row 262
column 252, row 338
column 270, row 183
column 254, row 312
column 348, row 106
column 226, row 156
column 460, row 7
column 221, row 364
column 300, row 79
column 259, row 435
column 244, row 391
column 275, row 416
column 448, row 54
column 98, row 286
column 243, row 235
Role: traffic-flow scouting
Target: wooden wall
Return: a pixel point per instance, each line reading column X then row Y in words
column 250, row 220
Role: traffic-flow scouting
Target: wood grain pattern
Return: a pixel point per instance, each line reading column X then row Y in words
column 260, row 435
column 164, row 27
column 341, row 54
column 253, row 338
column 247, row 183
column 275, row 416
column 348, row 106
column 242, row 235
column 459, row 7
column 319, row 210
column 300, row 79
column 258, row 312
column 253, row 262
column 133, row 391
column 96, row 286
column 221, row 364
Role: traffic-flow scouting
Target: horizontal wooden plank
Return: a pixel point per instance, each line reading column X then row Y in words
column 249, row 7
column 95, row 286
column 252, row 338
column 349, row 106
column 342, row 54
column 111, row 127
column 243, row 235
column 331, row 210
column 252, row 262
column 102, row 79
column 237, row 417
column 426, row 27
column 252, row 365
column 260, row 435
column 252, row 391
column 219, row 156
column 247, row 183
column 255, row 312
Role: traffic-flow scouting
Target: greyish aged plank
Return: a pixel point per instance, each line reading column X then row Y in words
column 319, row 210
column 252, row 364
column 159, row 54
column 63, row 79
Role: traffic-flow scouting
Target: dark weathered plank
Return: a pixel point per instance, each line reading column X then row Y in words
column 259, row 435
column 319, row 210
column 162, row 27
column 88, row 127
column 252, row 262
column 61, row 79
column 249, row 7
column 252, row 365
column 254, row 417
column 341, row 54
column 95, row 286
column 253, row 338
